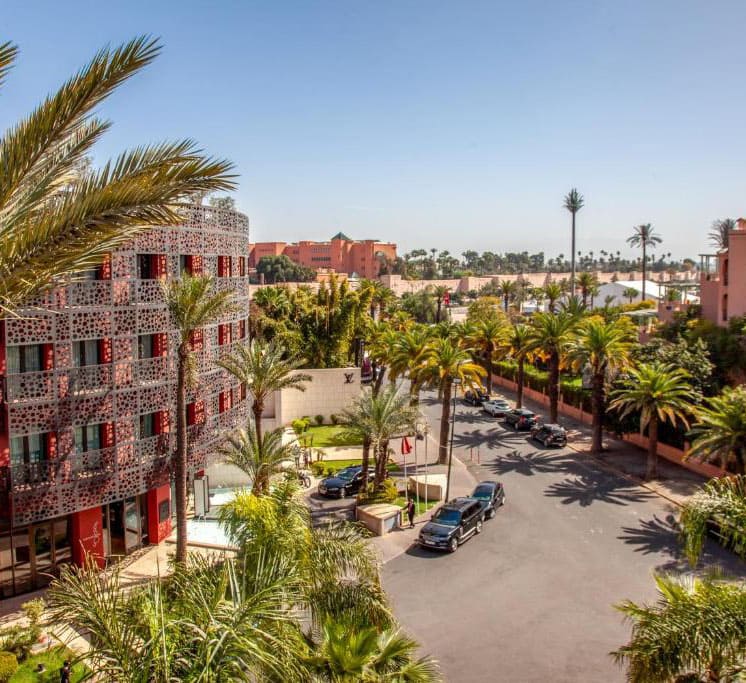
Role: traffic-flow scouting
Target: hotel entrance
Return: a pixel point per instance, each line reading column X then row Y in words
column 125, row 526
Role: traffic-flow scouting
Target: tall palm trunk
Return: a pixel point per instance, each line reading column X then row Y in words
column 554, row 373
column 644, row 268
column 414, row 393
column 584, row 294
column 379, row 380
column 520, row 378
column 257, row 408
column 365, row 464
column 597, row 406
column 381, row 462
column 652, row 468
column 180, row 460
column 740, row 464
column 489, row 368
column 437, row 312
column 445, row 422
column 572, row 258
column 506, row 301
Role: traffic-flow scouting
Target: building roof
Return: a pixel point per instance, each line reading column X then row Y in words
column 341, row 236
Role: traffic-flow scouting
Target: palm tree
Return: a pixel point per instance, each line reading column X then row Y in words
column 696, row 631
column 573, row 203
column 191, row 305
column 448, row 362
column 507, row 289
column 211, row 621
column 486, row 337
column 630, row 293
column 605, row 347
column 439, row 292
column 660, row 393
column 57, row 219
column 259, row 459
column 720, row 232
column 644, row 236
column 346, row 655
column 553, row 292
column 375, row 420
column 263, row 368
column 516, row 345
column 586, row 281
column 722, row 502
column 720, row 429
column 407, row 359
column 550, row 336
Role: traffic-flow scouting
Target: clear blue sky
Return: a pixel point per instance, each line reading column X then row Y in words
column 456, row 125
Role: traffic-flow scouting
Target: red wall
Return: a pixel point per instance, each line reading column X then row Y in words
column 157, row 531
column 88, row 536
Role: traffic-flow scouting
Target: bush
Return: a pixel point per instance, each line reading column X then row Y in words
column 8, row 666
column 387, row 493
column 300, row 425
column 334, row 419
column 18, row 640
column 319, row 420
column 317, row 468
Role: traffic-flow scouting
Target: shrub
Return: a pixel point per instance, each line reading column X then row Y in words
column 319, row 420
column 300, row 425
column 334, row 419
column 386, row 493
column 8, row 666
column 317, row 468
column 18, row 640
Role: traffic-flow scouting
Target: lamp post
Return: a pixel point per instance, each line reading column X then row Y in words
column 456, row 382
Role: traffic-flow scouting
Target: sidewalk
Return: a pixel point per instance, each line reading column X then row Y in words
column 674, row 483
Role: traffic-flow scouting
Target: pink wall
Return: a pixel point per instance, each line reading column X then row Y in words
column 88, row 536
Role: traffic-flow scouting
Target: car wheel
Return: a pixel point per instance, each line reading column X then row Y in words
column 453, row 545
column 342, row 493
column 478, row 528
column 491, row 513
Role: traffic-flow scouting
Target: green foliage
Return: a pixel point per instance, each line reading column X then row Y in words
column 19, row 639
column 300, row 425
column 334, row 419
column 420, row 305
column 694, row 357
column 319, row 420
column 282, row 269
column 52, row 660
column 323, row 436
column 8, row 666
column 385, row 493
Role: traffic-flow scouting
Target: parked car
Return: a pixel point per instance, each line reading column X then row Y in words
column 497, row 407
column 344, row 483
column 550, row 435
column 490, row 495
column 518, row 418
column 452, row 524
column 475, row 397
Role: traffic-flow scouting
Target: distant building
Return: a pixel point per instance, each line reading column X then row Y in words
column 723, row 279
column 618, row 290
column 340, row 253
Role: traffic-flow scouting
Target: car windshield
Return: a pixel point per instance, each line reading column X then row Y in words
column 483, row 492
column 447, row 517
column 346, row 474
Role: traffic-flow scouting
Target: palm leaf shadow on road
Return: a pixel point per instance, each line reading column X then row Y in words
column 586, row 489
column 654, row 535
column 529, row 464
column 489, row 440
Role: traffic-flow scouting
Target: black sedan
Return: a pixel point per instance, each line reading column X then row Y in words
column 550, row 435
column 344, row 483
column 491, row 495
column 521, row 419
column 476, row 397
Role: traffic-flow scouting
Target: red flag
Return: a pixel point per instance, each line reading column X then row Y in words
column 447, row 299
column 406, row 449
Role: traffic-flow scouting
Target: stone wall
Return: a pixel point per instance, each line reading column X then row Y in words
column 330, row 392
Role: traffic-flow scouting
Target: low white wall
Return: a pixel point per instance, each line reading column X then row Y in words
column 223, row 475
column 330, row 392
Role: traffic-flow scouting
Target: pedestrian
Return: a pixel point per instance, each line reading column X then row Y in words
column 305, row 458
column 410, row 512
column 65, row 672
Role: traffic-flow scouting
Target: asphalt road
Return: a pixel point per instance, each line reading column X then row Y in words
column 530, row 599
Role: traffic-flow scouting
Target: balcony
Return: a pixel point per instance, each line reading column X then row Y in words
column 89, row 379
column 709, row 267
column 66, row 470
column 30, row 386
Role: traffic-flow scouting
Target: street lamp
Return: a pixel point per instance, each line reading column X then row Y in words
column 456, row 382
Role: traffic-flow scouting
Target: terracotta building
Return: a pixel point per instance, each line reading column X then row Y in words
column 340, row 254
column 87, row 405
column 723, row 279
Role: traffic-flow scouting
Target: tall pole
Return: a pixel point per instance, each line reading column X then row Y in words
column 450, row 452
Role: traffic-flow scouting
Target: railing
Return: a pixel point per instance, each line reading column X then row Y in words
column 63, row 470
column 90, row 293
column 30, row 386
column 89, row 378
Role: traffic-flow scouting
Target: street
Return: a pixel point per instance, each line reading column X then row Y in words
column 530, row 599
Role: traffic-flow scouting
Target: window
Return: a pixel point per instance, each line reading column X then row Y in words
column 86, row 352
column 725, row 307
column 185, row 265
column 90, row 274
column 28, row 449
column 146, row 426
column 26, row 358
column 146, row 346
column 145, row 270
column 88, row 438
column 725, row 272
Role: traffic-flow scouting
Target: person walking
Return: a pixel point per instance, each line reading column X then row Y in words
column 65, row 672
column 410, row 512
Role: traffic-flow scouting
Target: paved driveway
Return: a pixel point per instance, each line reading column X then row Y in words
column 530, row 599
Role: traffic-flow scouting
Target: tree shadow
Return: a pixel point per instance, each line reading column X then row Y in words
column 490, row 439
column 480, row 417
column 529, row 464
column 654, row 535
column 585, row 490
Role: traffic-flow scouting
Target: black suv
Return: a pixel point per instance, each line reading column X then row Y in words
column 452, row 524
column 521, row 419
column 490, row 495
column 476, row 397
column 550, row 435
column 344, row 483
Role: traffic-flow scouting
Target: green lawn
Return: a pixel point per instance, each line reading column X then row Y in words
column 423, row 506
column 327, row 435
column 336, row 465
column 52, row 661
